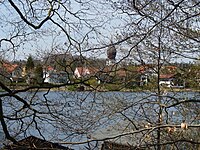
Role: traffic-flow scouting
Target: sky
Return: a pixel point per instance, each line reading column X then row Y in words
column 106, row 23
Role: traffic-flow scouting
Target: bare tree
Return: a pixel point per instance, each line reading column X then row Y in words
column 154, row 34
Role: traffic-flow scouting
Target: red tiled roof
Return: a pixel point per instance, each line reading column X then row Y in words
column 166, row 76
column 9, row 67
column 49, row 68
column 171, row 67
column 143, row 68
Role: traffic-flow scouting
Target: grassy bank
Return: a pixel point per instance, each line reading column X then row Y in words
column 96, row 87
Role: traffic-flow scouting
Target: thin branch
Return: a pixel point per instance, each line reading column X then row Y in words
column 25, row 20
column 128, row 133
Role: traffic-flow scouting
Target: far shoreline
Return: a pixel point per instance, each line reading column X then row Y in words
column 66, row 88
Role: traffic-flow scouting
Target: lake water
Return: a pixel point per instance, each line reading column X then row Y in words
column 75, row 116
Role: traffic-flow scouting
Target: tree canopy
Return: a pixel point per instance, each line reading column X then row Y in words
column 30, row 64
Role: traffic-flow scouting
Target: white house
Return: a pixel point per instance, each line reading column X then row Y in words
column 84, row 71
column 167, row 80
column 12, row 71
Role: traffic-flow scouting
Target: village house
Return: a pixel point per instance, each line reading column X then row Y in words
column 102, row 75
column 13, row 72
column 50, row 75
column 112, row 75
column 141, row 75
column 81, row 72
column 171, row 80
column 166, row 80
column 145, row 73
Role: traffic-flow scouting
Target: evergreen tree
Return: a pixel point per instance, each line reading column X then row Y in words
column 30, row 64
column 39, row 73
